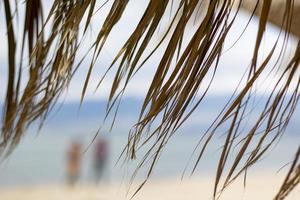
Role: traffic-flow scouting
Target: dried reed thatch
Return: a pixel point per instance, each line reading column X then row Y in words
column 171, row 96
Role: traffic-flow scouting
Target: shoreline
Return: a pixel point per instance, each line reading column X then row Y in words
column 258, row 187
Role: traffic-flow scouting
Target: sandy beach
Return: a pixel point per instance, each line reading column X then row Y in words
column 259, row 187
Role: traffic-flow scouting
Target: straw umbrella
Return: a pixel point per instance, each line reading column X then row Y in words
column 277, row 13
column 170, row 98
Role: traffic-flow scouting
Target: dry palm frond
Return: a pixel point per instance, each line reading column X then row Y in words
column 177, row 87
column 292, row 179
column 49, row 72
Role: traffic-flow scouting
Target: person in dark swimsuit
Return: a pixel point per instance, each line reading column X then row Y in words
column 100, row 158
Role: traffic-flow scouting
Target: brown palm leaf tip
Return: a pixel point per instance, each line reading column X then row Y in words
column 174, row 92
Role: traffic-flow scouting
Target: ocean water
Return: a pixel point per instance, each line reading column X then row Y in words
column 41, row 158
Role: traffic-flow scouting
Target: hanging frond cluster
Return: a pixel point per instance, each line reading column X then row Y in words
column 177, row 88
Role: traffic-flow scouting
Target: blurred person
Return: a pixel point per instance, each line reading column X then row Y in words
column 73, row 162
column 100, row 158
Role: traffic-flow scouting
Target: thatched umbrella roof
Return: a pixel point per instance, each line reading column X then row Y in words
column 277, row 13
column 178, row 84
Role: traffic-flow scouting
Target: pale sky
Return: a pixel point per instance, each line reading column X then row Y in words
column 232, row 65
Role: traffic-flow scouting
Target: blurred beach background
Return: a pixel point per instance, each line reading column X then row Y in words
column 38, row 165
column 36, row 169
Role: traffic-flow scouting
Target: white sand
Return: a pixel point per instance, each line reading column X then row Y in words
column 258, row 188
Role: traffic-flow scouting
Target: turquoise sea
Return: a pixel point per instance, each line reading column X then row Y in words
column 41, row 157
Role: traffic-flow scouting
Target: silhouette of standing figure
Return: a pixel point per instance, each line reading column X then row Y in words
column 100, row 158
column 73, row 163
